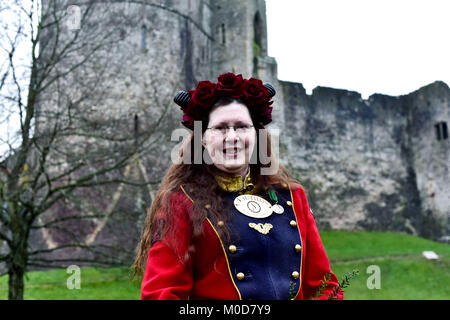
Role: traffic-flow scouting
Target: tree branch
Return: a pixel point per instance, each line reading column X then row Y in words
column 98, row 262
column 73, row 217
column 73, row 245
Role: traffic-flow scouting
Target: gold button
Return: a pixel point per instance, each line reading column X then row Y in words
column 295, row 275
column 240, row 276
column 293, row 223
column 220, row 223
column 208, row 206
column 298, row 248
column 284, row 185
column 289, row 203
column 232, row 248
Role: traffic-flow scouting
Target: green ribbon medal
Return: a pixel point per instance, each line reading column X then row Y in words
column 273, row 197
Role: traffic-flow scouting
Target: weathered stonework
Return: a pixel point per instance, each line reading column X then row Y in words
column 370, row 164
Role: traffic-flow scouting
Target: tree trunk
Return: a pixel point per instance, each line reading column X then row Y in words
column 15, row 282
column 19, row 253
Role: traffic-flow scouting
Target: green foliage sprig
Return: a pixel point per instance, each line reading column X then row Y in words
column 323, row 285
column 292, row 291
column 343, row 284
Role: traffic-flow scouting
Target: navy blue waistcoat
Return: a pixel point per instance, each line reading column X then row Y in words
column 264, row 266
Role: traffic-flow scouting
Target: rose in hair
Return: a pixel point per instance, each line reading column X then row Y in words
column 188, row 121
column 202, row 98
column 255, row 93
column 230, row 84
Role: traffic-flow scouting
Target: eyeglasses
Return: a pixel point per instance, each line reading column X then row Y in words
column 239, row 129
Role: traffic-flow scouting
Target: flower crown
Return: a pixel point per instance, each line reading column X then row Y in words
column 196, row 104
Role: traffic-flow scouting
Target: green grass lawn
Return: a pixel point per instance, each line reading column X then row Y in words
column 404, row 273
column 96, row 284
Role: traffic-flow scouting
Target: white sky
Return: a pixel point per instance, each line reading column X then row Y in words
column 392, row 47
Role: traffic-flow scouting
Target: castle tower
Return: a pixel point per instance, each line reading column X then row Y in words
column 240, row 45
column 240, row 33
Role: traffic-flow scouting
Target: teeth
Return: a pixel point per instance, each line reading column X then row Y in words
column 231, row 150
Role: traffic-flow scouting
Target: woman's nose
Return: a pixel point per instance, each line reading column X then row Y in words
column 231, row 134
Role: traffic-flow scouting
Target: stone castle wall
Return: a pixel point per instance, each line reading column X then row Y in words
column 370, row 164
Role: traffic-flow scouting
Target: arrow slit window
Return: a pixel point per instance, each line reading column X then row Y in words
column 441, row 130
column 143, row 38
column 221, row 33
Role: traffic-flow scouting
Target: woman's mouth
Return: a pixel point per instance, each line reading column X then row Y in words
column 231, row 152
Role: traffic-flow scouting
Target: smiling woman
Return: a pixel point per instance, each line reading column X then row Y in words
column 225, row 228
column 230, row 137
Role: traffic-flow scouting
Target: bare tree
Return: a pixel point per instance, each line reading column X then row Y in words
column 64, row 158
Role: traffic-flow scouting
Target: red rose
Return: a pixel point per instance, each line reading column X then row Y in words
column 202, row 98
column 262, row 113
column 267, row 115
column 230, row 84
column 255, row 92
column 188, row 121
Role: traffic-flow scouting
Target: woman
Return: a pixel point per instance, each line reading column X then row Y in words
column 223, row 228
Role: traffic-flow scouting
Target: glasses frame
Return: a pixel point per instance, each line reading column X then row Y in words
column 216, row 131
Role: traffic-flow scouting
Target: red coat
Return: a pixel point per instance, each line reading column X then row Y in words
column 204, row 276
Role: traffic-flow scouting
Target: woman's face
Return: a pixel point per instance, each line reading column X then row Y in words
column 230, row 150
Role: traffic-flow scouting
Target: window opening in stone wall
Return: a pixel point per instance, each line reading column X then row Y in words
column 257, row 34
column 438, row 131
column 444, row 130
column 222, row 29
column 441, row 130
column 257, row 46
column 122, row 34
column 143, row 37
column 136, row 128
